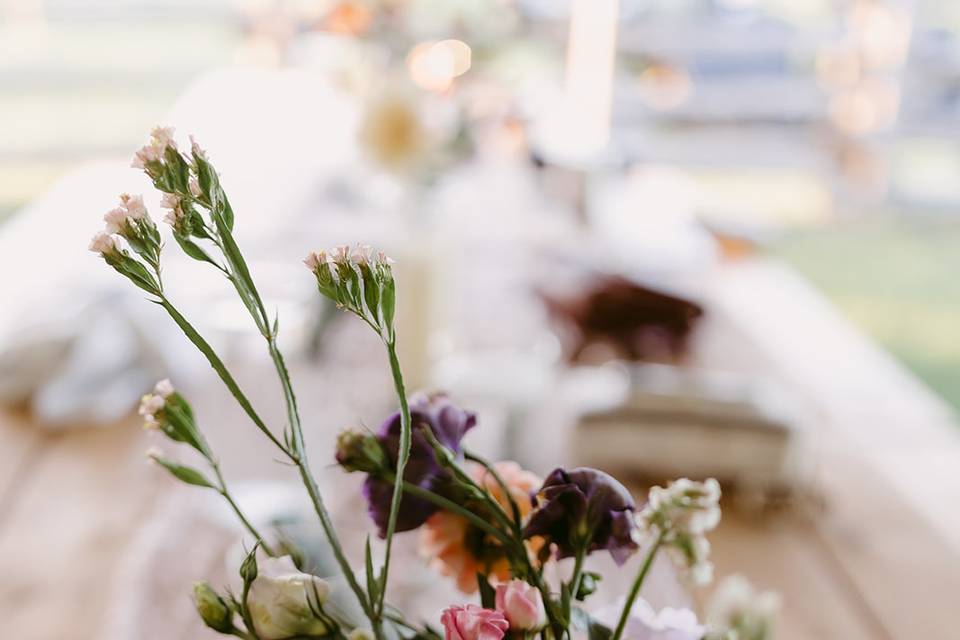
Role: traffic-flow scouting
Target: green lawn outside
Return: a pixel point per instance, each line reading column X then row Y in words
column 897, row 280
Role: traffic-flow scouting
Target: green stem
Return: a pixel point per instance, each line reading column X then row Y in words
column 225, row 492
column 514, row 508
column 450, row 505
column 635, row 589
column 577, row 574
column 402, row 457
column 327, row 524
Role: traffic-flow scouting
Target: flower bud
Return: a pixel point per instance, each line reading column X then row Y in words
column 212, row 609
column 280, row 601
column 248, row 568
column 359, row 452
column 522, row 605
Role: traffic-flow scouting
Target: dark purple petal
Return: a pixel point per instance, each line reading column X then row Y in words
column 571, row 503
column 413, row 511
column 449, row 424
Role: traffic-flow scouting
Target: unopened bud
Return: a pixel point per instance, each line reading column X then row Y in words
column 212, row 609
column 359, row 452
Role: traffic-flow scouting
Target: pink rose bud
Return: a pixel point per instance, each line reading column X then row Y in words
column 522, row 605
column 470, row 622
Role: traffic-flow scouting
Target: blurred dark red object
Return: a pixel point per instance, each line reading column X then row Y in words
column 616, row 318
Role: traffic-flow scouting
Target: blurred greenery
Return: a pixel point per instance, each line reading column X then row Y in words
column 75, row 90
column 899, row 280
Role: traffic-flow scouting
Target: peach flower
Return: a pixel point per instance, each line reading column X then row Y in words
column 459, row 550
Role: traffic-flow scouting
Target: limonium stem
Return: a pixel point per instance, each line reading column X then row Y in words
column 635, row 589
column 402, row 457
column 225, row 492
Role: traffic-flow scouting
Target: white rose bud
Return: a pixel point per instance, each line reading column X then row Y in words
column 278, row 602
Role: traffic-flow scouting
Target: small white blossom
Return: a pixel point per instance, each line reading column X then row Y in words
column 341, row 253
column 384, row 259
column 312, row 261
column 362, row 254
column 164, row 388
column 133, row 205
column 104, row 243
column 681, row 514
column 195, row 190
column 736, row 606
column 115, row 219
column 150, row 404
column 160, row 139
column 170, row 201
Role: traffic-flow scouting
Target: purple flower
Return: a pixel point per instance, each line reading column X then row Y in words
column 584, row 508
column 449, row 424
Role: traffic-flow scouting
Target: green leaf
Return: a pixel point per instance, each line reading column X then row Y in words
column 184, row 473
column 372, row 584
column 193, row 250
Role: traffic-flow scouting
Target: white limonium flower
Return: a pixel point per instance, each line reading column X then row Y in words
column 278, row 601
column 133, row 205
column 115, row 219
column 314, row 259
column 680, row 515
column 195, row 189
column 164, row 388
column 150, row 405
column 160, row 139
column 736, row 606
column 104, row 243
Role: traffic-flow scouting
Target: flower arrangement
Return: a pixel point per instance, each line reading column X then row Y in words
column 493, row 527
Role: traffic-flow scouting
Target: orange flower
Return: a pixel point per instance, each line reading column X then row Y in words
column 460, row 550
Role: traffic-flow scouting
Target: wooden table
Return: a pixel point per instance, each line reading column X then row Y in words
column 880, row 559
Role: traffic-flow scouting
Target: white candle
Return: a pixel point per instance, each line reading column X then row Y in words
column 591, row 55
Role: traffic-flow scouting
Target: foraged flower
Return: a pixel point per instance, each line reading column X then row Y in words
column 164, row 388
column 470, row 622
column 736, row 606
column 280, row 600
column 160, row 139
column 448, row 423
column 584, row 509
column 212, row 609
column 681, row 514
column 644, row 623
column 150, row 405
column 522, row 605
column 459, row 549
column 194, row 185
column 115, row 219
column 104, row 243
